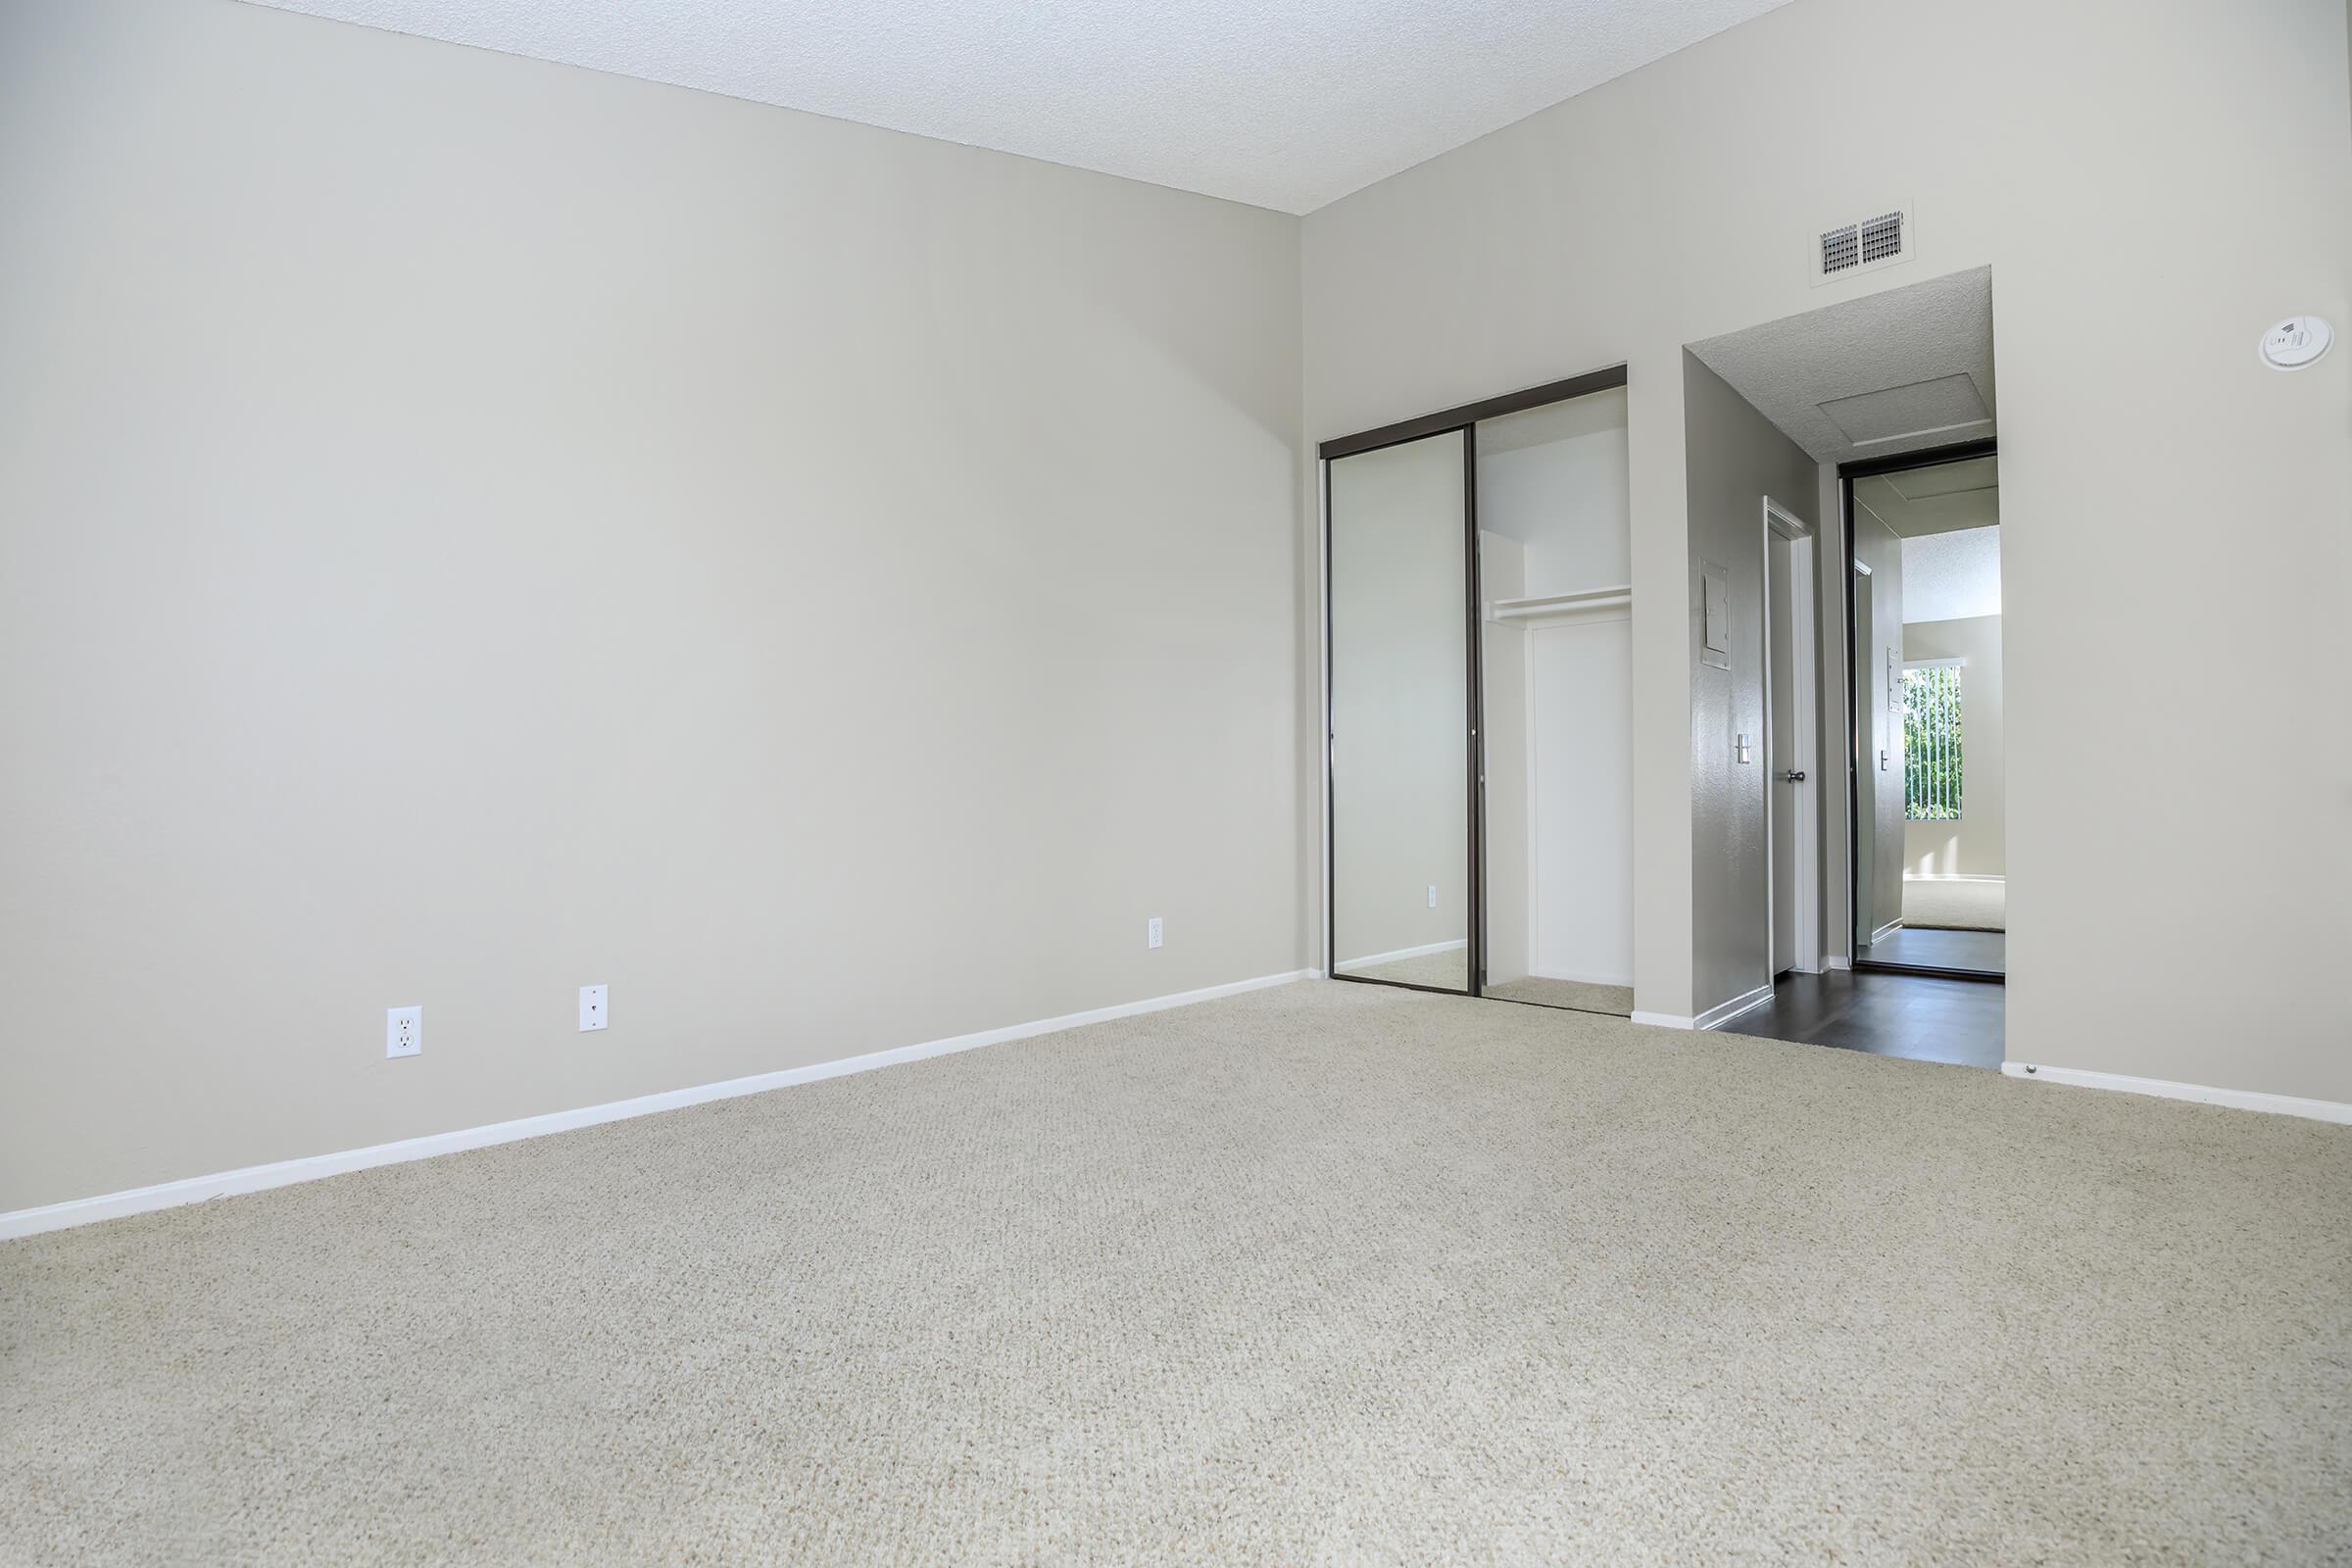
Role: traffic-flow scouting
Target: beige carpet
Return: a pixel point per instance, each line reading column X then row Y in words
column 1322, row 1274
column 1956, row 903
column 1578, row 994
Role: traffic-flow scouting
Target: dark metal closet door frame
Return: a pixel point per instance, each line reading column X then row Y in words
column 1847, row 474
column 1464, row 418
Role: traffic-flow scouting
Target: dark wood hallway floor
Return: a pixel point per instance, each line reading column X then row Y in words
column 1924, row 1017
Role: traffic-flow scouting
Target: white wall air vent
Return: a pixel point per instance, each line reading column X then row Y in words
column 1881, row 239
column 1842, row 249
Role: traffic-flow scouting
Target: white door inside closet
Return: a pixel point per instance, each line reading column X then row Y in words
column 1556, row 567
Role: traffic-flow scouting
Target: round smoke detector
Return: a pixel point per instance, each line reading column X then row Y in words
column 2296, row 342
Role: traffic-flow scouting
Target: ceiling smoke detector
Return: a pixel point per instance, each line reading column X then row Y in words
column 2296, row 343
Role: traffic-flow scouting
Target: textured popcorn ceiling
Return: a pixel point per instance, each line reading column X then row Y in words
column 1944, row 499
column 1905, row 368
column 1286, row 103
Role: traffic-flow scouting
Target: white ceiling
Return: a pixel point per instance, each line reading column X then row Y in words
column 1900, row 371
column 1286, row 104
column 1952, row 576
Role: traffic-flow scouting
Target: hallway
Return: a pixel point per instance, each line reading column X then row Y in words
column 1923, row 1018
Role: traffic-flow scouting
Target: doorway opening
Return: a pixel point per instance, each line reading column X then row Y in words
column 1877, row 416
column 1930, row 805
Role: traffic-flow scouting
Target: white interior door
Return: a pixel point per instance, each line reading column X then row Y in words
column 1791, row 744
column 1782, row 758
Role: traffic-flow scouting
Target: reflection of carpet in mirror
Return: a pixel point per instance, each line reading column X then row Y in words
column 1580, row 995
column 1449, row 970
column 1956, row 903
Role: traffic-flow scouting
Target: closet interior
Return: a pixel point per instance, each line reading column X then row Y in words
column 1556, row 569
column 1477, row 575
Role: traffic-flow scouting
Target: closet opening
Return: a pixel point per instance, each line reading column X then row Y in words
column 1478, row 691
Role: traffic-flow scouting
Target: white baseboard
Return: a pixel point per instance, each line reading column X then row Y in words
column 287, row 1172
column 1724, row 1012
column 2237, row 1099
column 1958, row 876
column 1836, row 960
column 1458, row 943
column 1886, row 930
column 1709, row 1019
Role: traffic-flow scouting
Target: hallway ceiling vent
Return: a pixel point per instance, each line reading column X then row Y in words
column 1879, row 240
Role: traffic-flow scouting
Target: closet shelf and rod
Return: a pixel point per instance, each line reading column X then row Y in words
column 1590, row 604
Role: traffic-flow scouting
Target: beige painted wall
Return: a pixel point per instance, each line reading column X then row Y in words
column 470, row 528
column 1676, row 202
column 1977, row 845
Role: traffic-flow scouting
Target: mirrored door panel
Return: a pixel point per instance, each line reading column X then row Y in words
column 1401, row 723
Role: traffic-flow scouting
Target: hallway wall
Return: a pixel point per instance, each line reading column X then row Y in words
column 1735, row 458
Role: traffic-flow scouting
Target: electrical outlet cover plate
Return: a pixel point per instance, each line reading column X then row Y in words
column 1152, row 932
column 403, row 1031
column 593, row 1013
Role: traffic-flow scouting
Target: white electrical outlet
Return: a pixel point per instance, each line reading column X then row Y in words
column 592, row 1008
column 403, row 1031
column 1433, row 895
column 1152, row 932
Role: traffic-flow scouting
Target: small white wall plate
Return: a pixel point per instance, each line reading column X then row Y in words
column 2296, row 343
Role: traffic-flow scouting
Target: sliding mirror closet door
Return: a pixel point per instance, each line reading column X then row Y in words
column 1401, row 846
